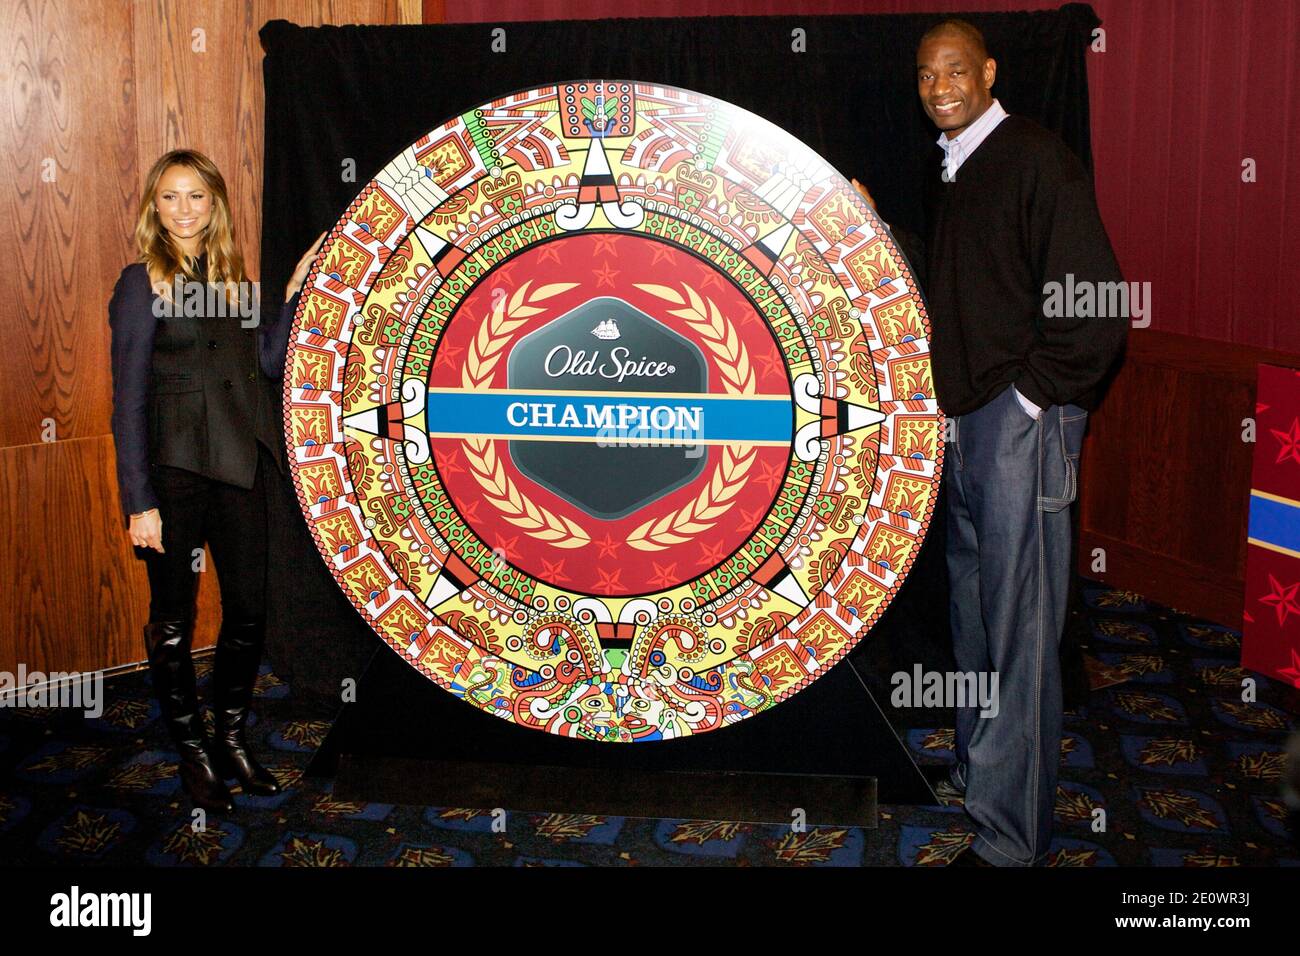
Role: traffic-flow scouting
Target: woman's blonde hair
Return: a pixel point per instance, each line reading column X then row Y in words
column 160, row 253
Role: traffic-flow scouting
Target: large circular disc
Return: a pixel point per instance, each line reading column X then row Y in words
column 609, row 407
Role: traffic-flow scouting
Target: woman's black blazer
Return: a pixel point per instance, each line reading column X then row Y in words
column 194, row 391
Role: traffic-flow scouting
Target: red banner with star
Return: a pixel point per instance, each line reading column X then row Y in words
column 1271, row 618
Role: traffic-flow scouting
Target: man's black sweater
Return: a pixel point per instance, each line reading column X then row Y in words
column 1019, row 215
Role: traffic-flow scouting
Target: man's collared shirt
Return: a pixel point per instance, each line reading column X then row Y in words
column 957, row 149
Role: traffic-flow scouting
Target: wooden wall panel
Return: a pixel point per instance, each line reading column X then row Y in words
column 72, row 605
column 189, row 60
column 1166, row 472
column 76, row 597
column 100, row 90
column 67, row 135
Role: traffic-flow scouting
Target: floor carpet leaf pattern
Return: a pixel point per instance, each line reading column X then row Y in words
column 1171, row 767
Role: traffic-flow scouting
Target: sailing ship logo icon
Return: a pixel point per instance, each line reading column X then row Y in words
column 607, row 330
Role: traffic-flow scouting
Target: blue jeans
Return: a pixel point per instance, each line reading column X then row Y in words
column 1010, row 480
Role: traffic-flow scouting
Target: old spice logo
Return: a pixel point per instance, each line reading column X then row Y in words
column 563, row 360
column 606, row 330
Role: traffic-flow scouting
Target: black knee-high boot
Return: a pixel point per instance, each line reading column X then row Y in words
column 172, row 671
column 234, row 673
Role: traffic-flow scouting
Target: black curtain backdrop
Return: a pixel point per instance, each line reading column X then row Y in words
column 364, row 93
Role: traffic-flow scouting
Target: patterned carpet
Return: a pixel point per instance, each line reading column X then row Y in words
column 1188, row 775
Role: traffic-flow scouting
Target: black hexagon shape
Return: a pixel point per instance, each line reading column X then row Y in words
column 608, row 481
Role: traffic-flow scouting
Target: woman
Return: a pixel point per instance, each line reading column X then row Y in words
column 198, row 446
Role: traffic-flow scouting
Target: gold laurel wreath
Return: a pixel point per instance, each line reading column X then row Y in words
column 718, row 334
column 732, row 360
column 499, row 489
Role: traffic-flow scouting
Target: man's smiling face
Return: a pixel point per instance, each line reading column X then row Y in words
column 954, row 80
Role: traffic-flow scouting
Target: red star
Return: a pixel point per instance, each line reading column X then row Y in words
column 554, row 572
column 771, row 476
column 608, row 580
column 1290, row 443
column 608, row 547
column 604, row 276
column 603, row 243
column 550, row 253
column 711, row 555
column 709, row 277
column 447, row 354
column 661, row 254
column 506, row 273
column 665, row 576
column 507, row 546
column 771, row 364
column 447, row 463
column 1292, row 673
column 749, row 519
column 470, row 512
column 1283, row 599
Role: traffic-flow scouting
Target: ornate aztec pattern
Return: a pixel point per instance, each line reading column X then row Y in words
column 609, row 406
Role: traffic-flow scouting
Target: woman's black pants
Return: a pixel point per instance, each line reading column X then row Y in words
column 232, row 521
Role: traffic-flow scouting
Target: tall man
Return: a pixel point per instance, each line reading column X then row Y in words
column 1011, row 210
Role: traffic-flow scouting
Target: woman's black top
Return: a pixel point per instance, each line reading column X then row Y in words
column 192, row 389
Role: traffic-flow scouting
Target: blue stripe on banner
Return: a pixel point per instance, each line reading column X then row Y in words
column 1275, row 522
column 553, row 415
